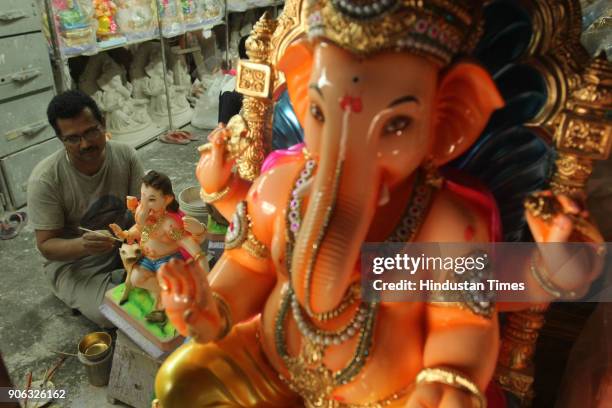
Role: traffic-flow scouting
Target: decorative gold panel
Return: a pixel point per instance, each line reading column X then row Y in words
column 584, row 136
column 257, row 79
column 254, row 79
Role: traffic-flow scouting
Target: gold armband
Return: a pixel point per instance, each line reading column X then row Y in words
column 240, row 234
column 254, row 246
column 226, row 316
column 197, row 256
column 210, row 198
column 452, row 378
column 479, row 302
column 176, row 234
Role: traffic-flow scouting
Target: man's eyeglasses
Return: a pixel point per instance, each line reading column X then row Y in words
column 89, row 135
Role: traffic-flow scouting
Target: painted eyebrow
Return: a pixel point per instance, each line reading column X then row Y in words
column 317, row 89
column 407, row 98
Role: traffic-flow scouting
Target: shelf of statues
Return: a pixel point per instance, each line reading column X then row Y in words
column 137, row 110
column 147, row 76
column 86, row 27
column 238, row 6
column 126, row 113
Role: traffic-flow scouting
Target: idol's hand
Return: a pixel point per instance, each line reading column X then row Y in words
column 118, row 231
column 193, row 226
column 430, row 395
column 558, row 218
column 215, row 168
column 188, row 300
column 131, row 203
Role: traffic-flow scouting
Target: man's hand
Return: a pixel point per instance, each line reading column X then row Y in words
column 99, row 242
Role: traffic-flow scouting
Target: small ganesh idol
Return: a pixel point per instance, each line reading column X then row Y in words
column 106, row 11
column 162, row 233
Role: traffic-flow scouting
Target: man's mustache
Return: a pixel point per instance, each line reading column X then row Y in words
column 90, row 149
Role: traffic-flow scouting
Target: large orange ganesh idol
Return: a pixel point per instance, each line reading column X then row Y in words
column 384, row 99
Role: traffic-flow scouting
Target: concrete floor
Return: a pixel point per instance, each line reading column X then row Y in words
column 35, row 326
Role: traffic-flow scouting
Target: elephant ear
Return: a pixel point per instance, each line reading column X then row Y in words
column 466, row 98
column 296, row 64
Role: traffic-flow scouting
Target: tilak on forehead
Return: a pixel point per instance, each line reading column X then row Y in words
column 436, row 29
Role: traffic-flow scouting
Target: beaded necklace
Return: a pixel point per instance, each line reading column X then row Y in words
column 309, row 377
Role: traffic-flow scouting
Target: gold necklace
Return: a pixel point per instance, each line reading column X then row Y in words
column 149, row 229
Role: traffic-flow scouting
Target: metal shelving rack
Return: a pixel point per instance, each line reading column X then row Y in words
column 60, row 60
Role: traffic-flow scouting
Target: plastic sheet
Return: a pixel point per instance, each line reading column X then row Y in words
column 108, row 32
column 171, row 13
column 201, row 13
column 75, row 26
column 191, row 13
column 137, row 19
column 211, row 10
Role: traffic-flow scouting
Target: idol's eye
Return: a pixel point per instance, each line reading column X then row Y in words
column 317, row 113
column 397, row 124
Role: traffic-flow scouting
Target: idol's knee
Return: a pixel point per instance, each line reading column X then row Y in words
column 185, row 379
column 140, row 276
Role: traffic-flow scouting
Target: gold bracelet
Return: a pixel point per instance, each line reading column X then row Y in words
column 453, row 378
column 224, row 311
column 210, row 198
column 548, row 286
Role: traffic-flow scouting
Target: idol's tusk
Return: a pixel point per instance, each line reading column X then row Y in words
column 384, row 196
column 205, row 148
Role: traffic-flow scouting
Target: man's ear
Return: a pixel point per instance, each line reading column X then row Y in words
column 296, row 64
column 466, row 98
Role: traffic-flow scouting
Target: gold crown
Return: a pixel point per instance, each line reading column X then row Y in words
column 439, row 29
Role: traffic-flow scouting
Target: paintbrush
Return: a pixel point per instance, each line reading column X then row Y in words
column 55, row 368
column 28, row 385
column 101, row 234
column 44, row 384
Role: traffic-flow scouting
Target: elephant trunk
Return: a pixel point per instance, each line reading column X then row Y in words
column 340, row 210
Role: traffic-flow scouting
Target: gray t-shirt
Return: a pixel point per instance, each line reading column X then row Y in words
column 60, row 197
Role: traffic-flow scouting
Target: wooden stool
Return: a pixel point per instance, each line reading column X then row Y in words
column 132, row 377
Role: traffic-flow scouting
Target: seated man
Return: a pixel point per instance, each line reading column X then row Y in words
column 230, row 102
column 83, row 185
